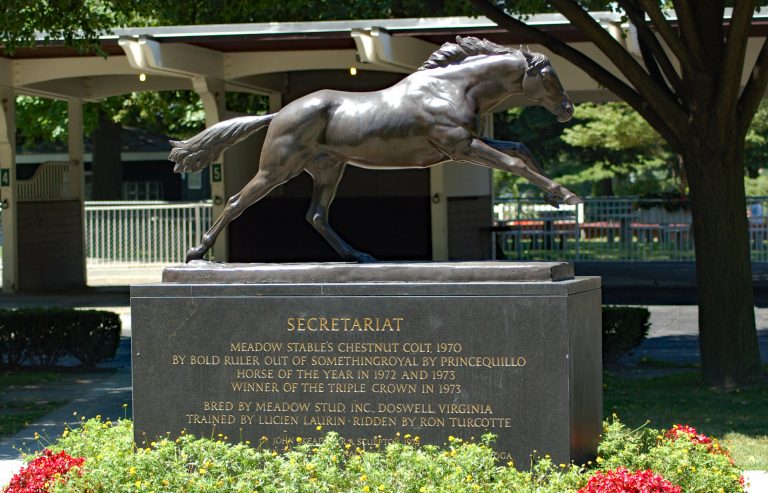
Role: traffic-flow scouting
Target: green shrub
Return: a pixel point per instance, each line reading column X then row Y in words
column 113, row 463
column 695, row 467
column 624, row 328
column 95, row 337
column 42, row 336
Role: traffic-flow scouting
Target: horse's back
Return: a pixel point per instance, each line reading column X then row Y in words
column 379, row 129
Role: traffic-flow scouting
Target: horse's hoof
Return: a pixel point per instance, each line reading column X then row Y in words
column 572, row 199
column 551, row 199
column 363, row 258
column 195, row 254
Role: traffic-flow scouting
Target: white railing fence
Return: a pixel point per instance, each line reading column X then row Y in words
column 609, row 229
column 143, row 232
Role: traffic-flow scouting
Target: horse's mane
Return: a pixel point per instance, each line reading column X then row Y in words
column 463, row 48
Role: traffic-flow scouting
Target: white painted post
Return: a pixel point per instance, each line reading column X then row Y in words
column 8, row 189
column 212, row 94
column 76, row 152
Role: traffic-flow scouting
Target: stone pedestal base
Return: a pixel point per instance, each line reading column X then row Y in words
column 370, row 351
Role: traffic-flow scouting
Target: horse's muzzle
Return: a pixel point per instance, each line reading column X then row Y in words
column 565, row 112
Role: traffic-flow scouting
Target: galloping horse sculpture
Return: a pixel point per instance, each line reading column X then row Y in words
column 428, row 118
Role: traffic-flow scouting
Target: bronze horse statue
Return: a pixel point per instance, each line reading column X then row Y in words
column 428, row 118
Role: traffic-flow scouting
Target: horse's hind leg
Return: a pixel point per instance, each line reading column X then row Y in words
column 256, row 189
column 327, row 175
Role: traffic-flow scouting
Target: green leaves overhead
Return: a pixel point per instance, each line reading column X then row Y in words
column 75, row 23
column 613, row 126
column 79, row 23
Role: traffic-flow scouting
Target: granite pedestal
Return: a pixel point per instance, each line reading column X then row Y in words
column 424, row 349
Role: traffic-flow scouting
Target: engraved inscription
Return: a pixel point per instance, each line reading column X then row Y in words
column 375, row 385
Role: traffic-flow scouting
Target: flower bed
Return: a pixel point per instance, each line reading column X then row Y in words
column 679, row 460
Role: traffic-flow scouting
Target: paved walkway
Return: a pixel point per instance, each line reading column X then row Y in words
column 673, row 337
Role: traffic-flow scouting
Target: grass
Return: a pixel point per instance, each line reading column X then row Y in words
column 22, row 378
column 662, row 364
column 739, row 418
column 17, row 415
column 17, row 412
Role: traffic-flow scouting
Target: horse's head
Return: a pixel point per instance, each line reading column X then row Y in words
column 542, row 85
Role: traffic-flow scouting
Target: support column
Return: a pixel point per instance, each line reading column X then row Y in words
column 8, row 189
column 275, row 102
column 76, row 151
column 439, row 213
column 212, row 94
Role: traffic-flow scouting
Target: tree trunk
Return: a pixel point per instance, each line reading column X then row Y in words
column 107, row 168
column 727, row 335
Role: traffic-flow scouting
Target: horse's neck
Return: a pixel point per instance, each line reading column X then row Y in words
column 488, row 84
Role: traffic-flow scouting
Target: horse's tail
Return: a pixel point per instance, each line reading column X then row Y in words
column 194, row 154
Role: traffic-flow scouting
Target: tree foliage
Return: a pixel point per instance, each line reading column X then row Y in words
column 76, row 23
column 79, row 23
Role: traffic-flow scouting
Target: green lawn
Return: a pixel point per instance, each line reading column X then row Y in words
column 739, row 418
column 597, row 249
column 17, row 412
column 20, row 378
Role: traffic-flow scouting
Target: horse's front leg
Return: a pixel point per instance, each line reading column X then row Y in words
column 521, row 151
column 515, row 149
column 482, row 153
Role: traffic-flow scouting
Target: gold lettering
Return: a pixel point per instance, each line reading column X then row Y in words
column 345, row 324
column 254, row 386
column 373, row 421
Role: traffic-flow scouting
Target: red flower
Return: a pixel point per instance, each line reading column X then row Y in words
column 36, row 476
column 689, row 432
column 622, row 481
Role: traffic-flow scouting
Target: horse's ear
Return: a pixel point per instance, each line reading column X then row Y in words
column 528, row 55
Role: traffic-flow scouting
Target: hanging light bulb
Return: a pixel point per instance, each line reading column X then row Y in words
column 142, row 77
column 352, row 71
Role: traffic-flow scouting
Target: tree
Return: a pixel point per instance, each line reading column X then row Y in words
column 702, row 111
